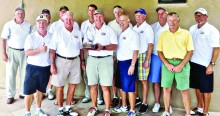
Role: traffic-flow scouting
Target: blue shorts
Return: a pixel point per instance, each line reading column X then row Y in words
column 36, row 78
column 155, row 69
column 127, row 81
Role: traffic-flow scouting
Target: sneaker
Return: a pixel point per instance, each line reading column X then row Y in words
column 100, row 101
column 138, row 101
column 143, row 109
column 196, row 111
column 70, row 112
column 92, row 111
column 156, row 107
column 106, row 113
column 207, row 114
column 27, row 114
column 86, row 100
column 40, row 113
column 165, row 114
column 171, row 110
column 120, row 109
column 60, row 113
column 115, row 102
column 130, row 113
column 50, row 95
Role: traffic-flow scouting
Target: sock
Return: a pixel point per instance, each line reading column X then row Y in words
column 107, row 110
column 67, row 107
column 60, row 108
column 137, row 98
column 132, row 111
column 200, row 110
column 38, row 109
column 27, row 112
column 49, row 89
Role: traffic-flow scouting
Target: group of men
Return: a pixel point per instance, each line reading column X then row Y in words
column 118, row 55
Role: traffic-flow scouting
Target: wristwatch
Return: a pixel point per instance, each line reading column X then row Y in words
column 212, row 63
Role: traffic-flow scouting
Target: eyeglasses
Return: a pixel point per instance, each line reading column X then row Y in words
column 198, row 16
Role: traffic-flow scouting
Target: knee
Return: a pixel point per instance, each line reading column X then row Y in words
column 185, row 92
column 93, row 87
column 105, row 88
column 60, row 88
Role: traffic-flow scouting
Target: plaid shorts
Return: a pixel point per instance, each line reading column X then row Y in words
column 142, row 72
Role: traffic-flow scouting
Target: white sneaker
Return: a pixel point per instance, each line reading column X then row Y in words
column 156, row 107
column 120, row 109
column 171, row 110
column 100, row 101
column 165, row 114
column 50, row 95
column 85, row 100
column 40, row 113
column 92, row 111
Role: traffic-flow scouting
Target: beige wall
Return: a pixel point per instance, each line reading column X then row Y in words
column 79, row 7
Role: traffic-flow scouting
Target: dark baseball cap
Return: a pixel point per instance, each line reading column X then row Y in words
column 64, row 7
column 45, row 11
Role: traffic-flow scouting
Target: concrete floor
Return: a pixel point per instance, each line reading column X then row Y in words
column 18, row 109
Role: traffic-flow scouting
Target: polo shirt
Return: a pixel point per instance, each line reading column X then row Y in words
column 16, row 33
column 158, row 29
column 104, row 36
column 84, row 27
column 128, row 41
column 67, row 44
column 204, row 39
column 58, row 24
column 146, row 35
column 175, row 45
column 34, row 41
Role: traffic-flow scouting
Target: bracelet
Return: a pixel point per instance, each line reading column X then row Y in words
column 52, row 63
column 83, row 60
column 132, row 64
column 104, row 48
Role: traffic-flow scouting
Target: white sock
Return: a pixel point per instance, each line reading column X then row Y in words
column 200, row 110
column 67, row 107
column 137, row 97
column 27, row 112
column 49, row 89
column 132, row 111
column 107, row 110
column 60, row 108
column 38, row 109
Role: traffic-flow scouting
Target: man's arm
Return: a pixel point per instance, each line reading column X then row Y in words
column 108, row 47
column 82, row 59
column 41, row 49
column 148, row 56
column 165, row 62
column 4, row 53
column 209, row 69
column 132, row 66
column 186, row 59
column 53, row 67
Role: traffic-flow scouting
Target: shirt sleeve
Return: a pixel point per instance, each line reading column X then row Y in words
column 214, row 38
column 189, row 42
column 151, row 35
column 28, row 43
column 113, row 36
column 54, row 41
column 135, row 42
column 6, row 31
column 159, row 43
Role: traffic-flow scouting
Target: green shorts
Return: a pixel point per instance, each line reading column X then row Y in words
column 182, row 78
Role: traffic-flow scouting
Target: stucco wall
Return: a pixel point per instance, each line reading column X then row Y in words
column 79, row 7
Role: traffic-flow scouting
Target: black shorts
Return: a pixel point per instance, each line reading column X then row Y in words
column 36, row 78
column 199, row 79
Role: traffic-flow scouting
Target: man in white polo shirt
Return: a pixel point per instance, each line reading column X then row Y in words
column 100, row 61
column 127, row 54
column 84, row 29
column 206, row 42
column 38, row 65
column 15, row 33
column 58, row 24
column 65, row 48
column 156, row 64
column 146, row 35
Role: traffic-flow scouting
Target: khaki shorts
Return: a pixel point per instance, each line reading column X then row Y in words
column 67, row 69
column 100, row 70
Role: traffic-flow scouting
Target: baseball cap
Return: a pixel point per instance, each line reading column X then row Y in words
column 41, row 17
column 140, row 10
column 161, row 7
column 98, row 11
column 45, row 11
column 201, row 10
column 19, row 8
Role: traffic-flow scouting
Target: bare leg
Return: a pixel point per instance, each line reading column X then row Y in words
column 132, row 99
column 59, row 95
column 136, row 89
column 123, row 96
column 156, row 92
column 38, row 97
column 166, row 98
column 94, row 94
column 70, row 93
column 144, row 90
column 207, row 98
column 28, row 101
column 114, row 89
column 186, row 100
column 200, row 98
column 107, row 96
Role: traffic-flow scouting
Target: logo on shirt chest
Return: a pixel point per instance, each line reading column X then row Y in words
column 201, row 32
column 124, row 38
column 103, row 33
column 141, row 31
column 75, row 36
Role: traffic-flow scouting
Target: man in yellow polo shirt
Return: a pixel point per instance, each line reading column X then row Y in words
column 175, row 48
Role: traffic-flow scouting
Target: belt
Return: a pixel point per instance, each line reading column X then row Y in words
column 175, row 59
column 16, row 49
column 68, row 58
column 101, row 56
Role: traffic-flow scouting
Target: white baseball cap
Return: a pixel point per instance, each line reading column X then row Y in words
column 42, row 17
column 201, row 10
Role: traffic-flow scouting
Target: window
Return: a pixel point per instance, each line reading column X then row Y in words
column 171, row 1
